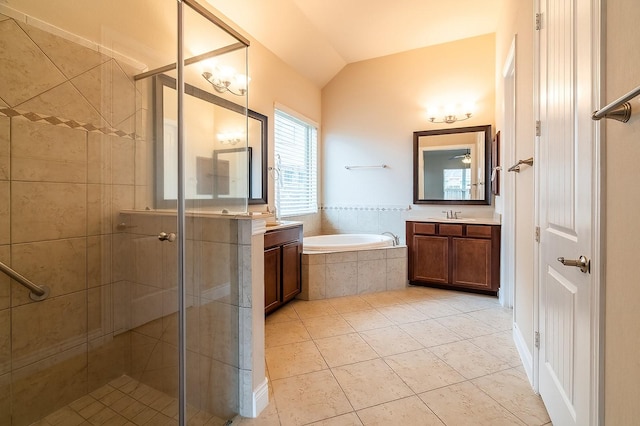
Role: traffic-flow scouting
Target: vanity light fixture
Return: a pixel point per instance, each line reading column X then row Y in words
column 451, row 114
column 232, row 138
column 225, row 79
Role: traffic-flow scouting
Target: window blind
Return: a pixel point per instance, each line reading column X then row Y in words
column 296, row 156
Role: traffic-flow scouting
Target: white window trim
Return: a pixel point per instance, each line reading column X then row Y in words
column 311, row 123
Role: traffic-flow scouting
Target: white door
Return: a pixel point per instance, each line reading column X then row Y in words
column 565, row 216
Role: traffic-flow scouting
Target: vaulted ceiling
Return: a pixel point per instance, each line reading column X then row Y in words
column 319, row 37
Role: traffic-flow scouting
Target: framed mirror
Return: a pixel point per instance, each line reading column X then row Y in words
column 219, row 169
column 452, row 166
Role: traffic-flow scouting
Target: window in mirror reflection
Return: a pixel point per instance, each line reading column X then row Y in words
column 457, row 184
column 446, row 174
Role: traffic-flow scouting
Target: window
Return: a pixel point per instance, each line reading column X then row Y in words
column 296, row 159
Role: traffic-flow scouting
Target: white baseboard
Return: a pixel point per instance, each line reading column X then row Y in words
column 523, row 350
column 260, row 398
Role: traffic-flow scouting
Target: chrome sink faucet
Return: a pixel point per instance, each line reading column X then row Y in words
column 451, row 214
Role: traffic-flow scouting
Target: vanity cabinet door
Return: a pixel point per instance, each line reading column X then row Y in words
column 271, row 279
column 471, row 263
column 291, row 270
column 282, row 270
column 429, row 259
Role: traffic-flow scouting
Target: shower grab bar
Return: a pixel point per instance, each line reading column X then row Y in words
column 381, row 166
column 516, row 167
column 620, row 109
column 37, row 294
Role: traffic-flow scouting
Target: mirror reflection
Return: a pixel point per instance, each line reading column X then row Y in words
column 229, row 177
column 451, row 166
column 223, row 163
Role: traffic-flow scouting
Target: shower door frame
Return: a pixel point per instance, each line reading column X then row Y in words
column 181, row 207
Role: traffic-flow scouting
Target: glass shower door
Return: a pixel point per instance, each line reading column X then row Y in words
column 200, row 181
column 216, row 165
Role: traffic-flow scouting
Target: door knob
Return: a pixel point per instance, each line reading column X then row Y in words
column 163, row 236
column 582, row 262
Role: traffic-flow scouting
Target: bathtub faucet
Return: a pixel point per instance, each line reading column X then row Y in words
column 396, row 239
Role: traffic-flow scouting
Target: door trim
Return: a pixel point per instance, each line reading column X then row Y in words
column 598, row 232
column 509, row 77
column 535, row 351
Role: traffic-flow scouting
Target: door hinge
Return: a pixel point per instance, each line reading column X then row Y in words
column 538, row 128
column 537, row 234
column 538, row 21
column 537, row 340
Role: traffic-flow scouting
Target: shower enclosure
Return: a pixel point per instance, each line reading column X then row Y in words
column 141, row 323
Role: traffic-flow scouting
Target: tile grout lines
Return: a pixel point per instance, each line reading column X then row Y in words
column 404, row 302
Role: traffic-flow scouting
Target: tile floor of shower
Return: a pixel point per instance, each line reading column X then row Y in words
column 418, row 356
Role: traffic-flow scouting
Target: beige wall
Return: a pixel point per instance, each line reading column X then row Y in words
column 622, row 202
column 516, row 19
column 370, row 111
column 274, row 82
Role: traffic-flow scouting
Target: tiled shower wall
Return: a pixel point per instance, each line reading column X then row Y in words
column 67, row 155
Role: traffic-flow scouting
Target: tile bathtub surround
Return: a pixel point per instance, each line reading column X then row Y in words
column 396, row 357
column 353, row 272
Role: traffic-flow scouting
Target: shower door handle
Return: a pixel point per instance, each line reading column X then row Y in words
column 163, row 236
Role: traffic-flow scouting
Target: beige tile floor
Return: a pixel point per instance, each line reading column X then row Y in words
column 418, row 356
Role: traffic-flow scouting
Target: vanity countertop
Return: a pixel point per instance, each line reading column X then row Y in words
column 282, row 224
column 467, row 220
column 193, row 213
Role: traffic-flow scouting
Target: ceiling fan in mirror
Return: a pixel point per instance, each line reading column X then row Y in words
column 466, row 157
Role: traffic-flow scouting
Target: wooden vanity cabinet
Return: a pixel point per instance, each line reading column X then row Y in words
column 454, row 255
column 282, row 270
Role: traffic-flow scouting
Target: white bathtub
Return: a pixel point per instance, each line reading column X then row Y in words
column 345, row 242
